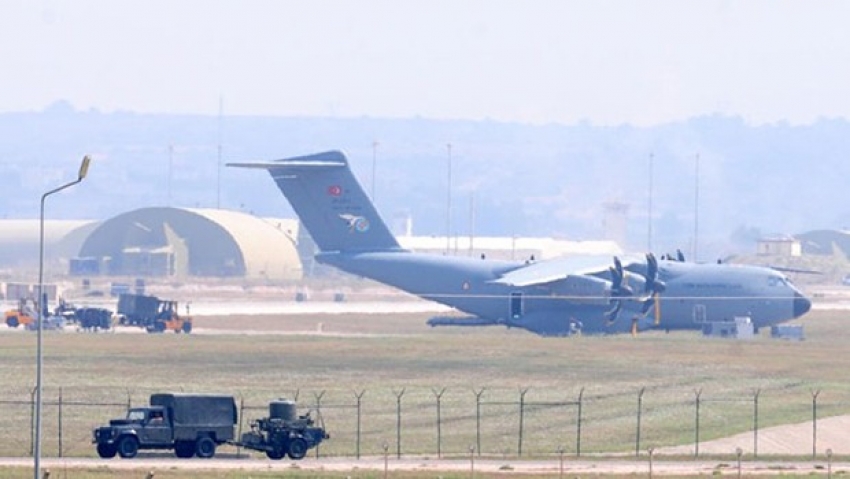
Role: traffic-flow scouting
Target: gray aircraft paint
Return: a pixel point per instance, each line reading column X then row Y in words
column 552, row 298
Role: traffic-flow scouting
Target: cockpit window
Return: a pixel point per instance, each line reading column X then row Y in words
column 777, row 281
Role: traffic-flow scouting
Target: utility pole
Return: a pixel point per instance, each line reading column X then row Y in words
column 649, row 208
column 696, row 208
column 449, row 201
column 218, row 165
column 170, row 166
column 374, row 162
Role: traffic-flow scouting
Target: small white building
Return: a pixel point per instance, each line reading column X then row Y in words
column 786, row 246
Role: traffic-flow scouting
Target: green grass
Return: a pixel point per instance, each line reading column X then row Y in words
column 402, row 357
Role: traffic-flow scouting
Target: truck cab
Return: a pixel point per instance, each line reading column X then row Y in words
column 142, row 428
column 190, row 424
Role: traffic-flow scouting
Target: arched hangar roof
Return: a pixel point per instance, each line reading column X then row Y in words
column 204, row 242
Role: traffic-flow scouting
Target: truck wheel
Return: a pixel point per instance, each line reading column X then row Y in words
column 128, row 447
column 297, row 448
column 275, row 454
column 106, row 451
column 205, row 447
column 184, row 449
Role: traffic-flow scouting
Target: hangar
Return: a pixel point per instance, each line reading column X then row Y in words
column 19, row 239
column 180, row 242
column 170, row 242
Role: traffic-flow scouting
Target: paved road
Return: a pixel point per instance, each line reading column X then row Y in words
column 552, row 467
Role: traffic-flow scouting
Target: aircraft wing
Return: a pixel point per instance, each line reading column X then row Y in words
column 550, row 271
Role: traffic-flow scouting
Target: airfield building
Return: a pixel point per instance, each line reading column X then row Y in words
column 168, row 242
column 185, row 242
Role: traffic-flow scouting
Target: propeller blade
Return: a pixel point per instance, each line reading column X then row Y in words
column 612, row 314
column 651, row 272
column 634, row 327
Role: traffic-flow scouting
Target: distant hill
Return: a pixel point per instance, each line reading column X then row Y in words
column 528, row 180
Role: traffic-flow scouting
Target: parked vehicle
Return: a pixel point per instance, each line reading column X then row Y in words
column 283, row 432
column 24, row 315
column 190, row 424
column 154, row 314
column 195, row 424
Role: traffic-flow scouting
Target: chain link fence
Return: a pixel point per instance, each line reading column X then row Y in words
column 438, row 421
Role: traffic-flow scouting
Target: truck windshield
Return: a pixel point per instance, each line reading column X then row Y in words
column 136, row 415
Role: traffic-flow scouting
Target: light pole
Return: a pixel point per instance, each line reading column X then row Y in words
column 84, row 169
column 449, row 201
column 374, row 163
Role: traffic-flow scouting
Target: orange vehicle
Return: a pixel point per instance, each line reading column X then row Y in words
column 25, row 314
column 154, row 314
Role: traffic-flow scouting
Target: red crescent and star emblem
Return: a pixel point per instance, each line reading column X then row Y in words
column 334, row 190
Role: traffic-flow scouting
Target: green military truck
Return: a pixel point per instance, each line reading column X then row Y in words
column 190, row 424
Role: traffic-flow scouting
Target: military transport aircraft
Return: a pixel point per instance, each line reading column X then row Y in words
column 556, row 297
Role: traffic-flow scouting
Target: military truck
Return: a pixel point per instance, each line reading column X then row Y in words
column 283, row 432
column 190, row 424
column 154, row 314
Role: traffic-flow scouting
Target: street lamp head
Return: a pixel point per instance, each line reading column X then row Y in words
column 84, row 167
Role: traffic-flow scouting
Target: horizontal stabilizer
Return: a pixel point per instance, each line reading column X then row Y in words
column 267, row 165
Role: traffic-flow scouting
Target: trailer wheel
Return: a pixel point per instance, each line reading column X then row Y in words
column 128, row 447
column 184, row 449
column 276, row 454
column 205, row 447
column 297, row 448
column 106, row 451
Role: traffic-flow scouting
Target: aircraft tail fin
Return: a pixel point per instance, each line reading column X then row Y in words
column 330, row 202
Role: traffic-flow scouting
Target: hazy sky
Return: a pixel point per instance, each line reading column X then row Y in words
column 608, row 62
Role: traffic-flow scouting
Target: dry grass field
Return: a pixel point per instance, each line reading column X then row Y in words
column 392, row 360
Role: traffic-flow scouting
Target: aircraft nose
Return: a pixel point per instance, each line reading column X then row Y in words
column 802, row 305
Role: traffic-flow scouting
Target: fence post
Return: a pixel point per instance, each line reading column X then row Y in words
column 756, row 424
column 478, row 419
column 398, row 396
column 560, row 462
column 319, row 415
column 815, row 395
column 439, row 396
column 521, row 417
column 697, row 394
column 578, row 423
column 637, row 432
column 359, row 396
column 60, row 422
